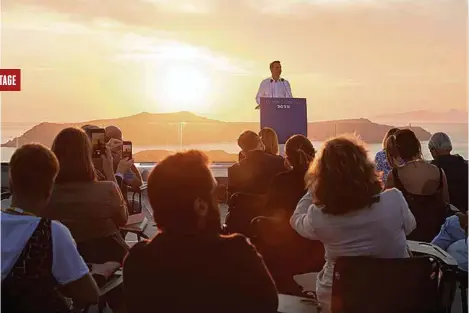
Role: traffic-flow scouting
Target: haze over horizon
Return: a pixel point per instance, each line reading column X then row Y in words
column 85, row 60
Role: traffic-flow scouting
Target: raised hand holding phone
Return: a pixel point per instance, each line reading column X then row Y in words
column 124, row 165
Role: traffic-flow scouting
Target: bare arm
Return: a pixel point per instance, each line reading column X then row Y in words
column 137, row 181
column 390, row 181
column 82, row 291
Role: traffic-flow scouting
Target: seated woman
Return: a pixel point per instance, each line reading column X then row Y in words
column 92, row 210
column 285, row 252
column 288, row 187
column 453, row 238
column 424, row 185
column 188, row 266
column 381, row 161
column 40, row 262
column 270, row 140
column 350, row 214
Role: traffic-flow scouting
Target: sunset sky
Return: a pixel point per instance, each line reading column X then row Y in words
column 92, row 59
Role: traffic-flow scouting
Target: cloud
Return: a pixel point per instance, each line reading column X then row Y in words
column 161, row 51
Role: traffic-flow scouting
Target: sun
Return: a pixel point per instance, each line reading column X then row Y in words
column 183, row 88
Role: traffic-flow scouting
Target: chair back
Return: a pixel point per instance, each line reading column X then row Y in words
column 369, row 285
column 242, row 209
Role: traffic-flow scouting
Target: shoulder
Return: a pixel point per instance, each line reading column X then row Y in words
column 238, row 244
column 265, row 81
column 59, row 229
column 380, row 155
column 391, row 195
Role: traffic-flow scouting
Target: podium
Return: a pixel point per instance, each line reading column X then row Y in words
column 287, row 116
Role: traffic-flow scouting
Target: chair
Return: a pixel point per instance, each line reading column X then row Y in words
column 107, row 281
column 369, row 285
column 286, row 253
column 243, row 207
column 450, row 274
column 137, row 192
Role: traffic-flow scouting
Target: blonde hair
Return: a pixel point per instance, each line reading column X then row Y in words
column 270, row 140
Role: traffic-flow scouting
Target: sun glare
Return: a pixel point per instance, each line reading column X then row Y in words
column 183, row 88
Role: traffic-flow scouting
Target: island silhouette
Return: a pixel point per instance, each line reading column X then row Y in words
column 185, row 128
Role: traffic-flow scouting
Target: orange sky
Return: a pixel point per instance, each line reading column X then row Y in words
column 89, row 59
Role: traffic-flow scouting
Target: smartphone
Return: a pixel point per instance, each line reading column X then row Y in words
column 127, row 149
column 98, row 142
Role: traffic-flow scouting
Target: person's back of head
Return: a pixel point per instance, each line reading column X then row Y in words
column 270, row 140
column 389, row 133
column 113, row 132
column 299, row 152
column 73, row 150
column 32, row 171
column 88, row 128
column 440, row 144
column 342, row 178
column 403, row 145
column 181, row 193
column 249, row 141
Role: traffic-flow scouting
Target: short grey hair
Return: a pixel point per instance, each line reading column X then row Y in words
column 440, row 141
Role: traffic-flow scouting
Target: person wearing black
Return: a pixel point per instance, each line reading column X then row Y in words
column 287, row 253
column 289, row 187
column 254, row 173
column 188, row 266
column 455, row 168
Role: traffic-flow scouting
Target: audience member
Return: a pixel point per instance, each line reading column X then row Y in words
column 270, row 140
column 254, row 173
column 285, row 252
column 39, row 255
column 453, row 238
column 424, row 185
column 133, row 178
column 288, row 187
column 455, row 168
column 381, row 161
column 350, row 214
column 92, row 210
column 223, row 274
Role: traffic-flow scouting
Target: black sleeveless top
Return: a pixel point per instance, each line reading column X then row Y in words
column 430, row 211
column 30, row 286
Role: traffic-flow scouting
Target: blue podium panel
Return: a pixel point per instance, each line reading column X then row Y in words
column 287, row 116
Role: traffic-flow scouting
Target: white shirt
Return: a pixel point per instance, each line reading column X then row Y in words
column 67, row 263
column 378, row 231
column 270, row 88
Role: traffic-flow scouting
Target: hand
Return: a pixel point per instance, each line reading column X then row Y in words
column 107, row 163
column 114, row 145
column 124, row 165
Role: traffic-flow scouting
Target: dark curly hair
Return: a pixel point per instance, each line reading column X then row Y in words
column 342, row 178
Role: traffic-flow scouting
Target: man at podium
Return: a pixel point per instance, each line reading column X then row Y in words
column 274, row 87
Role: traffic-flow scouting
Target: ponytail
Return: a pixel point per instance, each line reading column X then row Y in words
column 391, row 151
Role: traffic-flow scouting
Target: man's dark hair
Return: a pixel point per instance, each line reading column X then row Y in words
column 248, row 141
column 174, row 185
column 273, row 63
column 32, row 170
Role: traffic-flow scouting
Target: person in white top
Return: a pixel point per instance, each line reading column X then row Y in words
column 39, row 256
column 348, row 212
column 275, row 86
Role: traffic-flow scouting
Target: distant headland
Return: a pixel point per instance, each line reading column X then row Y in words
column 148, row 129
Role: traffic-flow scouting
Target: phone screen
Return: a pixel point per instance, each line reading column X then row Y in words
column 97, row 142
column 127, row 150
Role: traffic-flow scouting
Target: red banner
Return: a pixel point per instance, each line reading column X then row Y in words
column 10, row 80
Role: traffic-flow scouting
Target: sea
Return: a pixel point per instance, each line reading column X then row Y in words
column 457, row 131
